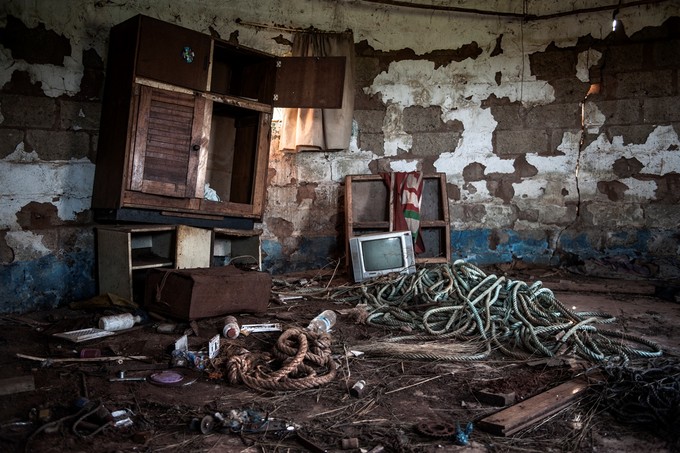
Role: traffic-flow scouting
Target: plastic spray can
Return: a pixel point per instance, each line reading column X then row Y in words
column 118, row 322
column 231, row 328
column 323, row 322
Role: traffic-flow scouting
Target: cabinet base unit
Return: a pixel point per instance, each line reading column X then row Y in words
column 126, row 253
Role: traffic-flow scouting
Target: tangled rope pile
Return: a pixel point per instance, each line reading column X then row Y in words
column 302, row 360
column 643, row 394
column 459, row 301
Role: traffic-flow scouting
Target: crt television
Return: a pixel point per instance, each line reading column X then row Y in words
column 382, row 253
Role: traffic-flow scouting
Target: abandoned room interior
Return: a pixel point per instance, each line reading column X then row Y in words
column 339, row 225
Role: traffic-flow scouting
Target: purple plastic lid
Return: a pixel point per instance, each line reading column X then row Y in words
column 167, row 377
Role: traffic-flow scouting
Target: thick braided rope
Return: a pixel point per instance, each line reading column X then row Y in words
column 461, row 302
column 305, row 362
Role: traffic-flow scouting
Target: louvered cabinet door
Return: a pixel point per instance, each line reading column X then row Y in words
column 169, row 144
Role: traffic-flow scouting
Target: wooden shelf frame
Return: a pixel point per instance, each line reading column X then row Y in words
column 367, row 211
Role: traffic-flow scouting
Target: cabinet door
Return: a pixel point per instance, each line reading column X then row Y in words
column 169, row 143
column 309, row 82
column 173, row 54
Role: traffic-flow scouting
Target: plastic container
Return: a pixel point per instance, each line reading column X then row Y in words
column 358, row 389
column 323, row 323
column 118, row 322
column 231, row 328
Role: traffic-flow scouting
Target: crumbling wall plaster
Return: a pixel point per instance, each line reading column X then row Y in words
column 494, row 102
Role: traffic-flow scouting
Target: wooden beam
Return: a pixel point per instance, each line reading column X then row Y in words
column 526, row 413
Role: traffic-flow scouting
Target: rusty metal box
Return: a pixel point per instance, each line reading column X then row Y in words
column 203, row 293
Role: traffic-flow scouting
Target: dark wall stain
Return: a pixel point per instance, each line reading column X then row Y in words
column 500, row 184
column 92, row 83
column 37, row 216
column 501, row 188
column 614, row 190
column 668, row 188
column 427, row 164
column 306, row 191
column 379, row 165
column 453, row 191
column 473, row 213
column 35, row 46
column 627, row 168
column 439, row 57
column 498, row 49
column 474, row 172
column 283, row 230
column 498, row 77
column 496, row 238
column 283, row 41
column 530, row 215
column 524, row 169
column 233, row 37
column 6, row 252
column 20, row 83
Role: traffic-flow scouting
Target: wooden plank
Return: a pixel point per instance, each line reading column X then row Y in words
column 534, row 409
column 17, row 384
column 235, row 232
column 193, row 248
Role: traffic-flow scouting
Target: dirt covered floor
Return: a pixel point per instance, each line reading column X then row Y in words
column 415, row 398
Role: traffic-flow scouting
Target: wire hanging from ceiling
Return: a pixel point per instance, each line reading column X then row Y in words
column 523, row 15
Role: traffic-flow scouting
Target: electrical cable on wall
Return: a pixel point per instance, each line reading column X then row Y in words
column 595, row 88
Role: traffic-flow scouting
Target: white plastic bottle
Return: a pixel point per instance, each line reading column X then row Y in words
column 323, row 322
column 118, row 322
column 231, row 328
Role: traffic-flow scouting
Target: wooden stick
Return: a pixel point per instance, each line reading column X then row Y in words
column 417, row 383
column 89, row 359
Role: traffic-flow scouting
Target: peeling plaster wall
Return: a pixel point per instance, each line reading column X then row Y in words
column 497, row 103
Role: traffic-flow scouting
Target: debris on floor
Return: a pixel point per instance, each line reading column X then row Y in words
column 449, row 357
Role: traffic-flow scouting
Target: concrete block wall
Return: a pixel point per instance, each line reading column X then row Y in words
column 47, row 146
column 536, row 171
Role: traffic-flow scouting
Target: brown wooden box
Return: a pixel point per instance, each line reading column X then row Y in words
column 203, row 293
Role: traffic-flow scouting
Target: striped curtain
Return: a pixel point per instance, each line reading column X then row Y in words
column 406, row 191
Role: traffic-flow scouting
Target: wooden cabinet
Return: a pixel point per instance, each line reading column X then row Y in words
column 368, row 210
column 185, row 125
column 125, row 253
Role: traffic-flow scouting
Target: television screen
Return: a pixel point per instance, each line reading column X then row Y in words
column 376, row 254
column 382, row 254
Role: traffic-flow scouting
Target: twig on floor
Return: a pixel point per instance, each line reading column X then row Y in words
column 416, row 384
